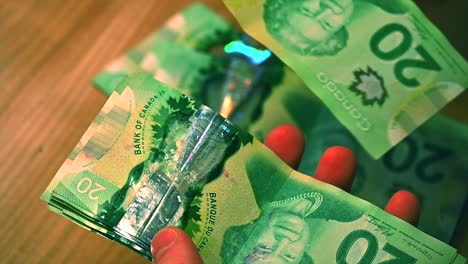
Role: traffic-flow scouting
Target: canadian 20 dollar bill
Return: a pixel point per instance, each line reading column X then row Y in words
column 379, row 65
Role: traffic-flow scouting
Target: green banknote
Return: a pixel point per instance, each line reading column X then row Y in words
column 432, row 163
column 229, row 72
column 195, row 27
column 379, row 65
column 154, row 157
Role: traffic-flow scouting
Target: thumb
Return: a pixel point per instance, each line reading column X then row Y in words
column 172, row 246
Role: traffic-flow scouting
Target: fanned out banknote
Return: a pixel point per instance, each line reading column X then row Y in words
column 380, row 66
column 275, row 95
column 196, row 27
column 206, row 59
column 154, row 157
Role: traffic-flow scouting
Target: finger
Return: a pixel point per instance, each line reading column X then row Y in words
column 337, row 166
column 172, row 246
column 287, row 141
column 404, row 205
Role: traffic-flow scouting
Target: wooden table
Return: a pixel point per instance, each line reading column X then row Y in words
column 49, row 51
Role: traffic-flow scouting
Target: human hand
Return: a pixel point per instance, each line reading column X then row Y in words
column 336, row 166
column 173, row 246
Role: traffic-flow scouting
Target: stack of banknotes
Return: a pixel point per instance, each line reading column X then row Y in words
column 154, row 157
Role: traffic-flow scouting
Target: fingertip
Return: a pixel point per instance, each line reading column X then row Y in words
column 172, row 245
column 404, row 205
column 337, row 166
column 287, row 141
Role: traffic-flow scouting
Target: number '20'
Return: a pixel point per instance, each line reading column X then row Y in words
column 399, row 256
column 426, row 62
column 85, row 185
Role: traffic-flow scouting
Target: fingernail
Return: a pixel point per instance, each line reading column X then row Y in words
column 287, row 141
column 165, row 239
column 404, row 205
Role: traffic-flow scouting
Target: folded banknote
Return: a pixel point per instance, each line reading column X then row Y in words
column 154, row 157
column 380, row 66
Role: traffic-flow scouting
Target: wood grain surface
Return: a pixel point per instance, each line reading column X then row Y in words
column 49, row 51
